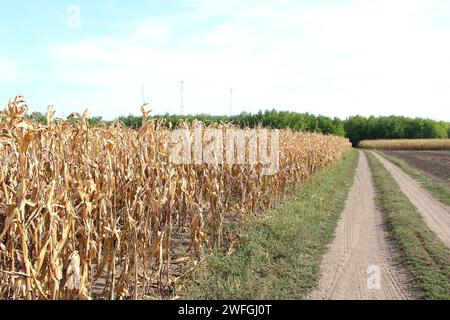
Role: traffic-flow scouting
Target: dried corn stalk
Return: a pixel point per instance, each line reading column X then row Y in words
column 92, row 213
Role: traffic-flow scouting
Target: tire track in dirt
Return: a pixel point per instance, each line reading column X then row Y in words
column 360, row 263
column 435, row 214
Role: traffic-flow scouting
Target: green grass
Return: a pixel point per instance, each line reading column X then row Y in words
column 425, row 256
column 280, row 257
column 440, row 191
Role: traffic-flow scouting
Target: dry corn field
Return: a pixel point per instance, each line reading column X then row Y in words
column 407, row 144
column 102, row 213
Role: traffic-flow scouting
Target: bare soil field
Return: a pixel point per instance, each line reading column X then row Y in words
column 435, row 164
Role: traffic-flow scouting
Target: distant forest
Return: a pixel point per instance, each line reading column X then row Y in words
column 356, row 128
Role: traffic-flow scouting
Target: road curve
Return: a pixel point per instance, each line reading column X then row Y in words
column 435, row 214
column 359, row 264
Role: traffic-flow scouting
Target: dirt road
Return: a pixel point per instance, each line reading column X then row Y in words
column 360, row 262
column 435, row 214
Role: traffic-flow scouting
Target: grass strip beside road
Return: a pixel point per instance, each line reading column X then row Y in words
column 280, row 257
column 425, row 256
column 440, row 191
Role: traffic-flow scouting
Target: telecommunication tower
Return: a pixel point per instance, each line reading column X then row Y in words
column 182, row 97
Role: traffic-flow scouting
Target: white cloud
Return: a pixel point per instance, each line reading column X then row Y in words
column 368, row 57
column 11, row 70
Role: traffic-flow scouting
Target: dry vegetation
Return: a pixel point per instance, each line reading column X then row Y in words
column 406, row 144
column 101, row 213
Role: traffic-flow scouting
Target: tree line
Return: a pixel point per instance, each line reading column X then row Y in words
column 356, row 128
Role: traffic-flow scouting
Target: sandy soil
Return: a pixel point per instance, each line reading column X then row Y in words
column 435, row 214
column 360, row 264
column 434, row 164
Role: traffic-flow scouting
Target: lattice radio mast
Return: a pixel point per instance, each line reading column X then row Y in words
column 231, row 101
column 143, row 94
column 182, row 97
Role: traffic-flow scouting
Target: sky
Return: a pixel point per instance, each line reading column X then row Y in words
column 330, row 57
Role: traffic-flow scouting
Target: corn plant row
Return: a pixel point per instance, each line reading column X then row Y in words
column 407, row 144
column 103, row 213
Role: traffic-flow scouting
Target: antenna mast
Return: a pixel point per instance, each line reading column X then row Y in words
column 143, row 94
column 182, row 97
column 231, row 101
